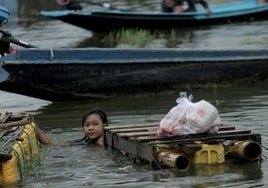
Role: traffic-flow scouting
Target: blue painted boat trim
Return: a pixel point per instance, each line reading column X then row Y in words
column 126, row 56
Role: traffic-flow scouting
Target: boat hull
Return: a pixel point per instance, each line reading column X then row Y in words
column 83, row 73
column 108, row 20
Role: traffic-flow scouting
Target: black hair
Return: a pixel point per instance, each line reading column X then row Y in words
column 100, row 112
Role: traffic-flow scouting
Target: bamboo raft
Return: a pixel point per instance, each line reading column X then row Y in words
column 140, row 142
column 18, row 146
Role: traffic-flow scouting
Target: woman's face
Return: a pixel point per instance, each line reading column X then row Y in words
column 93, row 127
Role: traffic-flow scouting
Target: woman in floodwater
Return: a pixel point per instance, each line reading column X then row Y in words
column 93, row 122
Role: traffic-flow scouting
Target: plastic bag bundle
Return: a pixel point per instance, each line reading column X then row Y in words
column 189, row 118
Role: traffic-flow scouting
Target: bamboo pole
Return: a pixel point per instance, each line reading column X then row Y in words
column 167, row 158
column 21, row 122
column 246, row 149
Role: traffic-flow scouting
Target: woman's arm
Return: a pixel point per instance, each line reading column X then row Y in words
column 205, row 5
column 42, row 137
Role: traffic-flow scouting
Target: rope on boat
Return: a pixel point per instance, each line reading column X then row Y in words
column 31, row 141
column 19, row 144
column 21, row 160
column 51, row 54
column 12, row 127
column 154, row 159
column 266, row 148
column 13, row 136
column 7, row 141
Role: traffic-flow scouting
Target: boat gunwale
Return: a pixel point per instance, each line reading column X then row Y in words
column 130, row 56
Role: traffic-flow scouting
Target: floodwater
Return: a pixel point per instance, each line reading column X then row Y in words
column 47, row 33
column 245, row 107
column 86, row 166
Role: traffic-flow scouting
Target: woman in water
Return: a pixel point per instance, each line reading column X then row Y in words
column 93, row 122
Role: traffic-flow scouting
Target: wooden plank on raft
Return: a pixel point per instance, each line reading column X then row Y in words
column 226, row 128
column 137, row 129
column 149, row 137
column 145, row 132
column 254, row 137
column 117, row 127
column 136, row 134
column 125, row 128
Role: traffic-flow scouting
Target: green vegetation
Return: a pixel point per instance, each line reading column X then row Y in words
column 137, row 38
column 31, row 159
column 141, row 38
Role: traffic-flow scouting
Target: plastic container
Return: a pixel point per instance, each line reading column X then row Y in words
column 22, row 154
column 209, row 154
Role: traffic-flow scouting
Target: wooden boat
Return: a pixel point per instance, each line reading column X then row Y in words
column 65, row 74
column 105, row 20
column 141, row 143
column 19, row 152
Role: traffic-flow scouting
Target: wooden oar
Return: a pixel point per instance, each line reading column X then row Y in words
column 8, row 38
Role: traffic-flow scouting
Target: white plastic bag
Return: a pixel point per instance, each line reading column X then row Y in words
column 189, row 118
column 201, row 117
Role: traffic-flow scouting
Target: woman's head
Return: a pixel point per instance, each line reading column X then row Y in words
column 92, row 123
